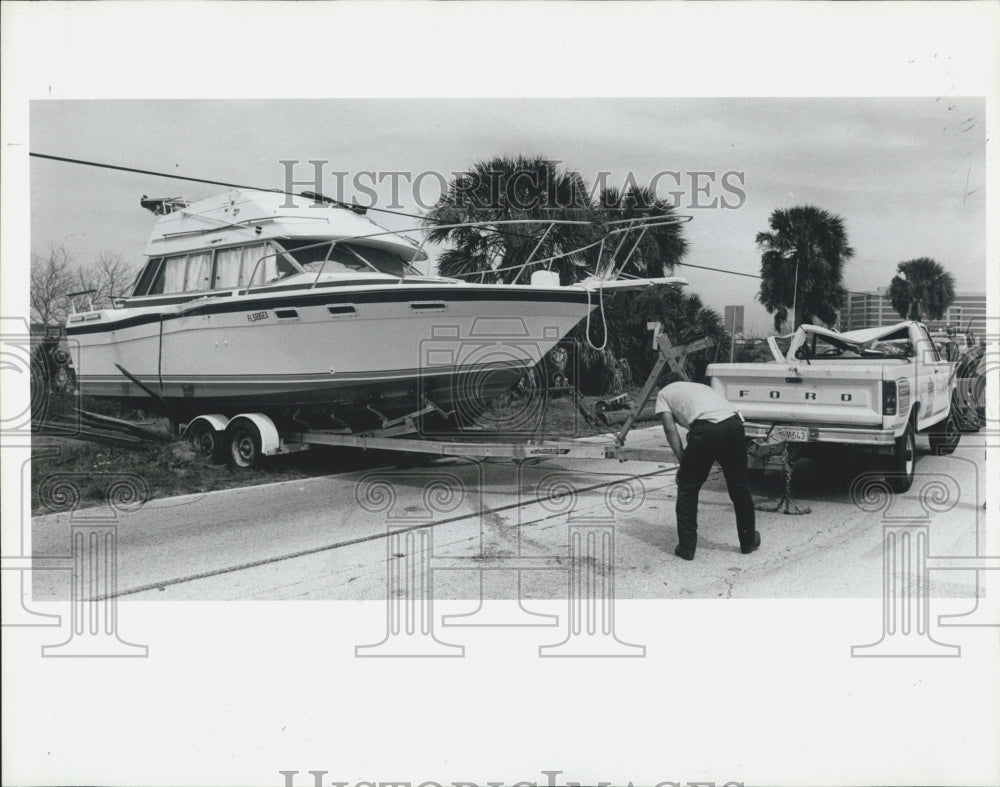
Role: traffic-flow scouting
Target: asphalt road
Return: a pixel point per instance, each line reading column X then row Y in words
column 326, row 538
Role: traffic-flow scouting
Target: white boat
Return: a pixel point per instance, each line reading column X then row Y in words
column 309, row 311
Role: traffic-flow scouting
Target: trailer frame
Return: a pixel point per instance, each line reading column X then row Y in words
column 246, row 438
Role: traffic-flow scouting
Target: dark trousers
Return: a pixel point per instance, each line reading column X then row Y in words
column 708, row 443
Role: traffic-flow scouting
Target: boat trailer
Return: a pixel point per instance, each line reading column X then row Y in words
column 245, row 439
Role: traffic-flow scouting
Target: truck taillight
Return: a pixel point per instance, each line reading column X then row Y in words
column 889, row 397
column 895, row 396
column 903, row 389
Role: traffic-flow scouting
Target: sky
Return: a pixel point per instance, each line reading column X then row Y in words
column 906, row 174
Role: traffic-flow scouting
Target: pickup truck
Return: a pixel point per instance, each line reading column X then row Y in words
column 872, row 389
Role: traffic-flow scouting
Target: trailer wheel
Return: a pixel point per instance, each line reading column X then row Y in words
column 206, row 440
column 944, row 437
column 243, row 439
column 900, row 463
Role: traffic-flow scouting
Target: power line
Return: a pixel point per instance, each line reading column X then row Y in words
column 172, row 176
column 720, row 270
column 339, row 203
column 119, row 168
column 750, row 275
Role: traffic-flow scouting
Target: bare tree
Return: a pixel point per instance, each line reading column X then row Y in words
column 52, row 278
column 109, row 277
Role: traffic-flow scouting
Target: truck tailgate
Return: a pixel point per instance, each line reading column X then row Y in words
column 817, row 393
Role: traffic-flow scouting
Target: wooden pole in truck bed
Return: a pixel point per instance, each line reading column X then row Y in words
column 675, row 358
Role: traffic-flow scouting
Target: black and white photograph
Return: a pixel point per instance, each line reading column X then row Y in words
column 508, row 394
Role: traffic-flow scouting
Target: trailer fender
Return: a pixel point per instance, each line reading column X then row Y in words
column 270, row 441
column 214, row 420
column 205, row 433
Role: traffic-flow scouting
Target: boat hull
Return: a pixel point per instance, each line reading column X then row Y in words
column 358, row 355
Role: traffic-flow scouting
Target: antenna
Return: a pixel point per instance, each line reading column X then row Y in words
column 161, row 206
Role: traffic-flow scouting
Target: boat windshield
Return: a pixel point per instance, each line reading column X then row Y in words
column 895, row 345
column 345, row 258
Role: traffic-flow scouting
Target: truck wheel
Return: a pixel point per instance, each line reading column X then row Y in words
column 206, row 441
column 900, row 463
column 243, row 439
column 944, row 436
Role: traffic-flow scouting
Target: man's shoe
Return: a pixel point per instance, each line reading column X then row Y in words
column 756, row 543
column 680, row 553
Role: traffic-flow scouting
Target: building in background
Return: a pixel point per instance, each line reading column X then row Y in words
column 873, row 310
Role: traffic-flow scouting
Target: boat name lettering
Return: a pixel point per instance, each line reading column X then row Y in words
column 256, row 316
column 549, row 451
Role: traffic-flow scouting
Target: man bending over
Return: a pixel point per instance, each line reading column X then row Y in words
column 715, row 434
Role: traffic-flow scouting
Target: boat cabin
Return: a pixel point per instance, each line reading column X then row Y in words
column 258, row 264
column 246, row 239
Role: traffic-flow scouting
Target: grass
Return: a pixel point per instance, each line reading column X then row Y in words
column 166, row 470
column 163, row 470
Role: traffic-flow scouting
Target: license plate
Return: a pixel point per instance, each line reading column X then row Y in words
column 792, row 434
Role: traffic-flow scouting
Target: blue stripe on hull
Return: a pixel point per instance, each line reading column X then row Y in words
column 314, row 298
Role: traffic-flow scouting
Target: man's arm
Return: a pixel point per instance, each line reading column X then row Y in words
column 673, row 438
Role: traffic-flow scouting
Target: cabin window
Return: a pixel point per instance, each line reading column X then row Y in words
column 311, row 256
column 198, row 275
column 384, row 261
column 345, row 257
column 145, row 281
column 184, row 273
column 228, row 268
column 233, row 267
column 172, row 277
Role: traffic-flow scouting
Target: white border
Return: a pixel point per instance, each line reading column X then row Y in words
column 752, row 692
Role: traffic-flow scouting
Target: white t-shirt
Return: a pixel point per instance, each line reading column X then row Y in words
column 690, row 402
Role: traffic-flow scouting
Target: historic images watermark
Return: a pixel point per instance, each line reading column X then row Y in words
column 90, row 563
column 525, row 189
column 494, row 378
column 494, row 355
column 37, row 361
column 42, row 359
column 499, row 559
column 910, row 558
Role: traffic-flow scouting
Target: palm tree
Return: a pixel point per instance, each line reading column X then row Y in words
column 533, row 187
column 646, row 253
column 802, row 265
column 920, row 288
column 684, row 318
column 509, row 188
